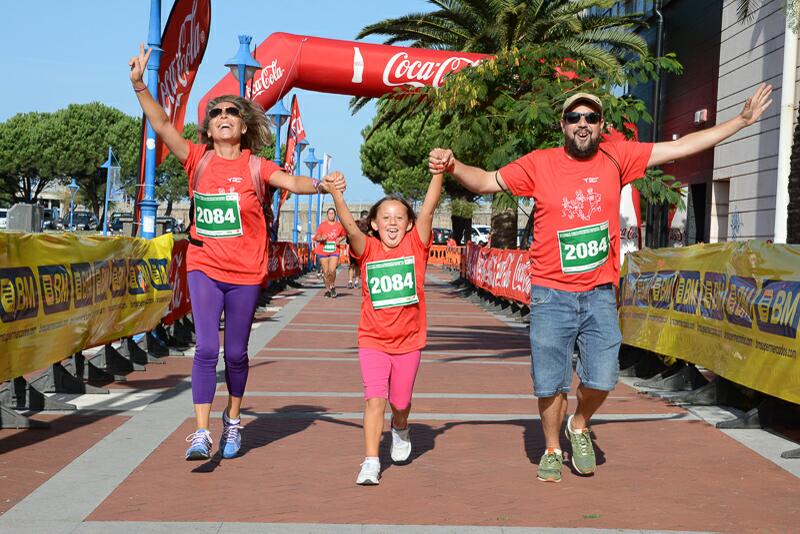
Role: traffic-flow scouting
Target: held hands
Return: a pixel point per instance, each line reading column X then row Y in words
column 755, row 106
column 139, row 63
column 334, row 183
column 441, row 160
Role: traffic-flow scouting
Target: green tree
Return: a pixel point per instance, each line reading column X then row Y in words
column 85, row 131
column 556, row 28
column 171, row 180
column 29, row 159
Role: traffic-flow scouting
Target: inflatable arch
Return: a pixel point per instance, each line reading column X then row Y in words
column 340, row 67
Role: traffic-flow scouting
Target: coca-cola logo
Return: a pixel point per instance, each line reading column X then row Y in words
column 175, row 80
column 400, row 70
column 265, row 79
column 630, row 233
column 274, row 264
column 291, row 262
column 676, row 237
column 521, row 281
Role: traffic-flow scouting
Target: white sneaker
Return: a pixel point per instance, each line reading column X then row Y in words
column 369, row 474
column 401, row 445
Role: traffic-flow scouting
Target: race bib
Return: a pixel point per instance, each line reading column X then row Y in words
column 583, row 249
column 392, row 283
column 217, row 215
column 329, row 247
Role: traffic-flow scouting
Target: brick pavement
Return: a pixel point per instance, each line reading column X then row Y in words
column 476, row 437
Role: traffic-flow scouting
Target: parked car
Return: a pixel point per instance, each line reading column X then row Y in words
column 50, row 219
column 81, row 220
column 441, row 235
column 527, row 244
column 118, row 218
column 3, row 218
column 171, row 224
column 480, row 234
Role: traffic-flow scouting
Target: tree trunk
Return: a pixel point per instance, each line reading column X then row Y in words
column 462, row 229
column 504, row 221
column 793, row 212
column 168, row 211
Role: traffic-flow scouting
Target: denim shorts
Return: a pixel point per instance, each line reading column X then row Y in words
column 559, row 319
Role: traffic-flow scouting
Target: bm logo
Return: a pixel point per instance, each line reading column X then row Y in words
column 19, row 298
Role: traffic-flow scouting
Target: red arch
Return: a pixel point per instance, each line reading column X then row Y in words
column 332, row 66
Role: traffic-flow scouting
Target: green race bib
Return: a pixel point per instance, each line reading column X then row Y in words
column 583, row 249
column 217, row 215
column 329, row 247
column 392, row 282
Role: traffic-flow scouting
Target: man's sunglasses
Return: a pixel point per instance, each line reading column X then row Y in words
column 573, row 117
column 232, row 111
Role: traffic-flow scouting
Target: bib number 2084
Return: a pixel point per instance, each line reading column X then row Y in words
column 392, row 282
column 583, row 249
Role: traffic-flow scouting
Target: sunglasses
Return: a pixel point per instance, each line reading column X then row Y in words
column 232, row 111
column 573, row 117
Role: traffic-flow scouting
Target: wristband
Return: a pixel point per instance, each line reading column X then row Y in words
column 317, row 185
column 140, row 89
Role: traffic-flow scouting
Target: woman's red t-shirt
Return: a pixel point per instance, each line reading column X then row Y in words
column 401, row 329
column 331, row 231
column 238, row 259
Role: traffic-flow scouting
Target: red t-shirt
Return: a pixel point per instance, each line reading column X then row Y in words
column 234, row 259
column 399, row 329
column 576, row 219
column 332, row 232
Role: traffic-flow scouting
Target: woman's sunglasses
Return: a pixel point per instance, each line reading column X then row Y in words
column 573, row 117
column 232, row 111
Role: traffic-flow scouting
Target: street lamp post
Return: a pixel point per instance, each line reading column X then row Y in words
column 149, row 204
column 296, row 228
column 311, row 162
column 319, row 195
column 73, row 188
column 243, row 66
column 108, row 166
column 278, row 115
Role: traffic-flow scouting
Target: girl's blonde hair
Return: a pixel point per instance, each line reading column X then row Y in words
column 257, row 135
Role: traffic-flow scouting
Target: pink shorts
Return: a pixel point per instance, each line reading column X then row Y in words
column 389, row 376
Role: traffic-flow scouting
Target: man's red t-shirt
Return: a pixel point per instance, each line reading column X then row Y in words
column 241, row 257
column 398, row 329
column 332, row 232
column 576, row 215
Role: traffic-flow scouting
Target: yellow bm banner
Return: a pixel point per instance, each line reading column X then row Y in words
column 60, row 294
column 730, row 307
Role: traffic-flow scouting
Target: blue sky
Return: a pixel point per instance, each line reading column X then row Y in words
column 58, row 52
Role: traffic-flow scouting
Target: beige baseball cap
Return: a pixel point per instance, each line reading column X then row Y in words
column 582, row 97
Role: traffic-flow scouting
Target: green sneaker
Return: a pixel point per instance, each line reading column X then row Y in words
column 550, row 467
column 582, row 450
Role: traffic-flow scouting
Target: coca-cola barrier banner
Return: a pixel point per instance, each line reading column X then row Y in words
column 283, row 260
column 178, row 281
column 503, row 273
column 342, row 67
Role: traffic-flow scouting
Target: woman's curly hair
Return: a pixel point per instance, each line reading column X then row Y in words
column 258, row 133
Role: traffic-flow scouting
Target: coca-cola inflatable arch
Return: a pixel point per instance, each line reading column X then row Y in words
column 340, row 67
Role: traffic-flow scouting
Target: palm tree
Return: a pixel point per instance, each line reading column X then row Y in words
column 494, row 26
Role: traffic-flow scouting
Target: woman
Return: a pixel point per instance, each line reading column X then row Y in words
column 330, row 235
column 227, row 257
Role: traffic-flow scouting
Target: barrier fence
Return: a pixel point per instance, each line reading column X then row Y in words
column 61, row 295
column 732, row 308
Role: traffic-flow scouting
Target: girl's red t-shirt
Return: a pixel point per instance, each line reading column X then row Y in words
column 240, row 258
column 332, row 232
column 398, row 329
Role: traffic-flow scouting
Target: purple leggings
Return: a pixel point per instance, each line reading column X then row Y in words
column 209, row 298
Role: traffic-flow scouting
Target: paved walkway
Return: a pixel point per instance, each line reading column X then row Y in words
column 116, row 464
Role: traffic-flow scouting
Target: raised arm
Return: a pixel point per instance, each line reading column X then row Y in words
column 153, row 111
column 477, row 180
column 425, row 217
column 696, row 142
column 357, row 238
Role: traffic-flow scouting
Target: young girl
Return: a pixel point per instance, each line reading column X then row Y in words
column 393, row 327
column 329, row 236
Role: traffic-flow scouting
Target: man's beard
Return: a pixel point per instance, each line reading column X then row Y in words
column 571, row 146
